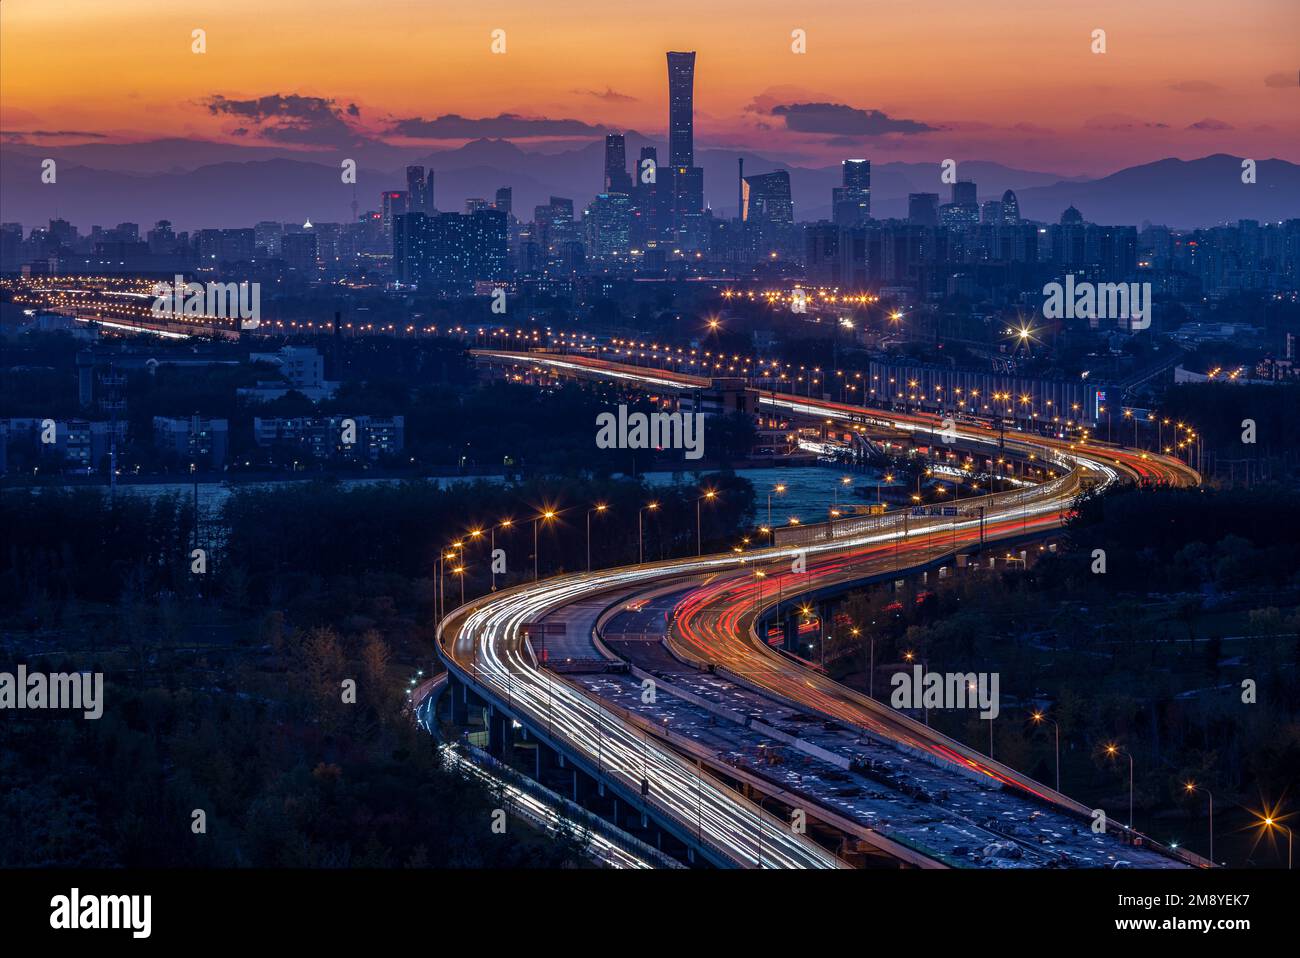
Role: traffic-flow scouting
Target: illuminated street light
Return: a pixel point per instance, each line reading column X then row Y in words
column 1040, row 717
column 710, row 495
column 598, row 507
column 1191, row 788
column 640, row 533
column 1112, row 750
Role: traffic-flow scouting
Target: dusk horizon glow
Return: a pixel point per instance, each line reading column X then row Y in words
column 1016, row 85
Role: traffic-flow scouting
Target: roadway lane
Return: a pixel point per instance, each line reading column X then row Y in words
column 483, row 639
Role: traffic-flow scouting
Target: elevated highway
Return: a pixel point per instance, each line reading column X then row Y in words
column 714, row 626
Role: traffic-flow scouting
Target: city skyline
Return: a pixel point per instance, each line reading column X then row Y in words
column 1032, row 94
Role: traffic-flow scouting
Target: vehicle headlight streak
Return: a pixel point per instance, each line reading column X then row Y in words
column 487, row 639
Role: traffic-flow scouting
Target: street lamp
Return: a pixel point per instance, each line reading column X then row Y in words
column 1113, row 750
column 545, row 516
column 778, row 489
column 710, row 495
column 640, row 531
column 1040, row 717
column 1269, row 821
column 844, row 481
column 1191, row 787
column 599, row 507
column 505, row 524
column 889, row 477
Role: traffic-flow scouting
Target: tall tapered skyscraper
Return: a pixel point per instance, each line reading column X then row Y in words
column 681, row 109
column 616, row 178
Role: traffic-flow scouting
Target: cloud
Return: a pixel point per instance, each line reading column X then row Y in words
column 610, row 95
column 1209, row 123
column 1121, row 123
column 1281, row 81
column 1194, row 86
column 774, row 96
column 843, row 120
column 79, row 134
column 302, row 120
column 452, row 126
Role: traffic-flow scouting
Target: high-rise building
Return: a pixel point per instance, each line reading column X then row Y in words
column 923, row 209
column 393, row 204
column 1010, row 209
column 487, row 235
column 419, row 198
column 616, row 178
column 766, row 198
column 851, row 202
column 411, row 248
column 681, row 109
column 299, row 251
column 504, row 200
column 266, row 236
column 607, row 223
column 963, row 193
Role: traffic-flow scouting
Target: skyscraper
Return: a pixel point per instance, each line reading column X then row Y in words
column 1010, row 209
column 851, row 202
column 505, row 200
column 767, row 199
column 923, row 209
column 963, row 193
column 681, row 109
column 616, row 178
column 419, row 191
column 393, row 203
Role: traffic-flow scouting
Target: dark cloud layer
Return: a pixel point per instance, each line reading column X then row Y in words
column 842, row 120
column 301, row 120
column 610, row 95
column 452, row 126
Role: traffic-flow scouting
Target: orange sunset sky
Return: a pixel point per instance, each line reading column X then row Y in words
column 1007, row 80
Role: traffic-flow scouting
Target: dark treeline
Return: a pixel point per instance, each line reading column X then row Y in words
column 223, row 690
column 300, row 533
column 1201, row 591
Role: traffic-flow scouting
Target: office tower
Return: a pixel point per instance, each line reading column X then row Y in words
column 1010, row 209
column 616, row 178
column 505, row 200
column 766, row 199
column 419, row 191
column 963, row 193
column 991, row 213
column 648, row 200
column 856, row 175
column 681, row 109
column 923, row 209
column 393, row 204
column 851, row 202
column 688, row 191
column 740, row 188
column 607, row 225
column 476, row 203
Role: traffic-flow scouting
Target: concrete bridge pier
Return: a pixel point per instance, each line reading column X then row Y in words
column 459, row 695
column 500, row 733
column 790, row 634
